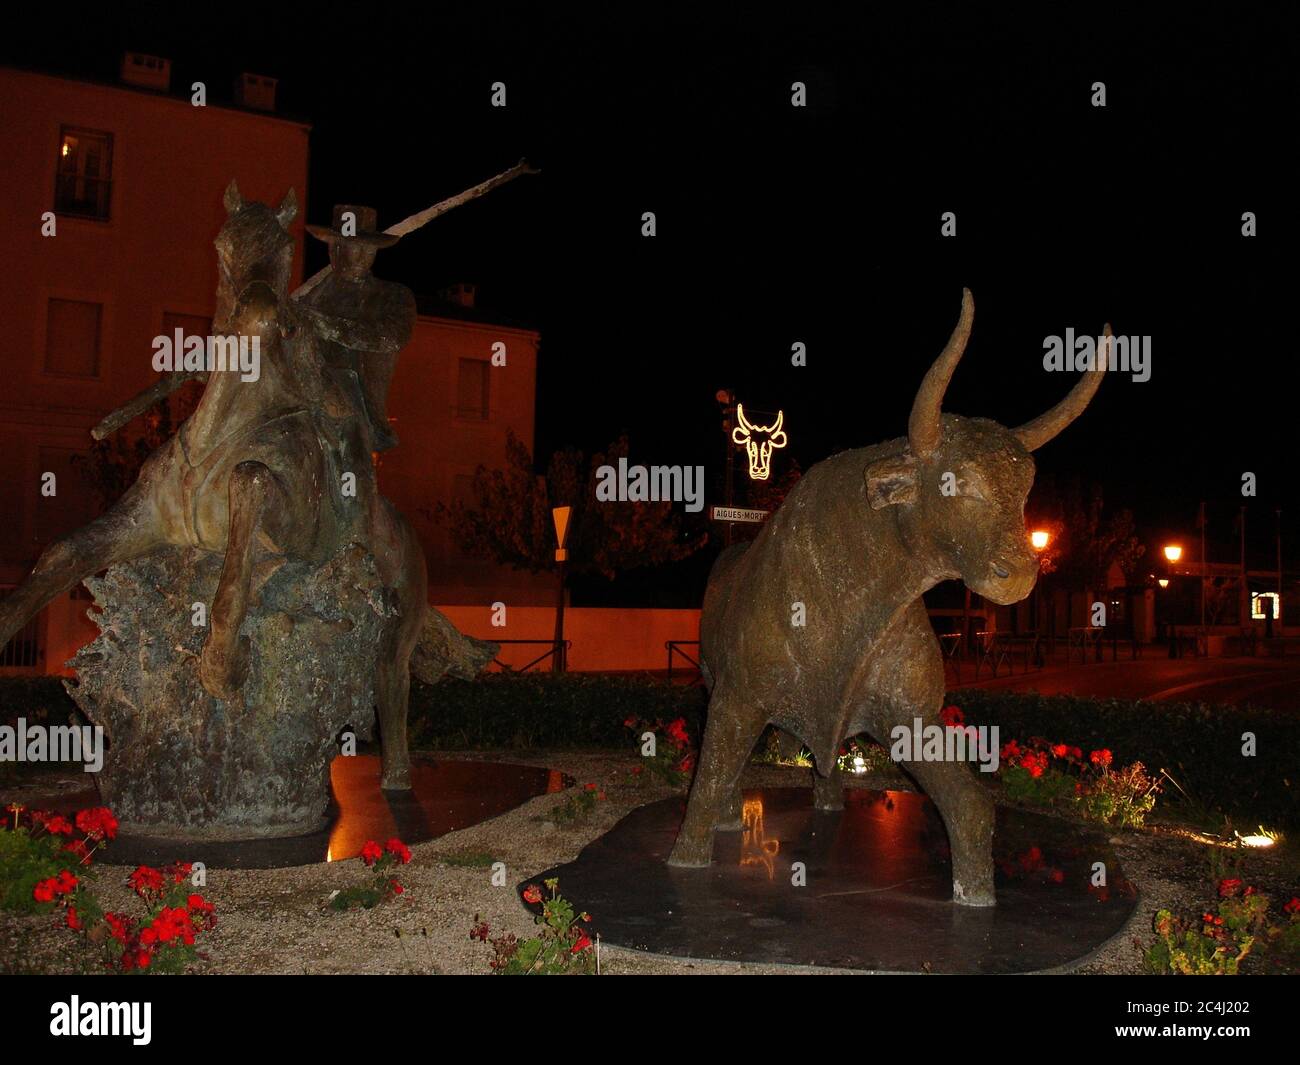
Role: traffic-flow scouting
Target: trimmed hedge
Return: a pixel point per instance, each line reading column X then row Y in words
column 40, row 700
column 544, row 710
column 1198, row 743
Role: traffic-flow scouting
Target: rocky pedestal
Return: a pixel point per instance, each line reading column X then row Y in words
column 181, row 763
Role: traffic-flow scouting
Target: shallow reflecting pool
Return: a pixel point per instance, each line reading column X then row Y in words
column 447, row 795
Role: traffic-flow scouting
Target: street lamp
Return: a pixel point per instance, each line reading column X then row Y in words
column 1038, row 539
column 1163, row 582
column 1173, row 552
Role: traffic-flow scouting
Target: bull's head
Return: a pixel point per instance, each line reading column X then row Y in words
column 960, row 484
column 758, row 440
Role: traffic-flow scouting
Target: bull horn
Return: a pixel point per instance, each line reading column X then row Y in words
column 740, row 416
column 923, row 426
column 780, row 417
column 1038, row 432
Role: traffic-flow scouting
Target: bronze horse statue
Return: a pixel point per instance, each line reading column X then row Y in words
column 256, row 474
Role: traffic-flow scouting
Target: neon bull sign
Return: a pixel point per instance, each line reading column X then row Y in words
column 759, row 441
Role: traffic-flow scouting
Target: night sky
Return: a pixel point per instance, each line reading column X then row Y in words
column 821, row 224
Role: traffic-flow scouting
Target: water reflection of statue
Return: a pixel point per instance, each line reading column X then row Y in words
column 755, row 847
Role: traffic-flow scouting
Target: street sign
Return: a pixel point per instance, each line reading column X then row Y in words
column 561, row 517
column 738, row 514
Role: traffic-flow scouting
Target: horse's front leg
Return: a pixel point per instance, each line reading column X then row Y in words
column 257, row 505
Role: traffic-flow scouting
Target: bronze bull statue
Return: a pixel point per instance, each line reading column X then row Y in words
column 859, row 539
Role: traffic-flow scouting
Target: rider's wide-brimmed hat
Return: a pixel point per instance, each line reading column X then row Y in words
column 361, row 227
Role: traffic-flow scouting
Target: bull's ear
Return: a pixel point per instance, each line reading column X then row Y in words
column 288, row 209
column 891, row 481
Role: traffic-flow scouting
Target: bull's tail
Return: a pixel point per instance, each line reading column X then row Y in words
column 443, row 650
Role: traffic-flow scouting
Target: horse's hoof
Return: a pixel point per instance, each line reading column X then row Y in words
column 222, row 675
column 396, row 779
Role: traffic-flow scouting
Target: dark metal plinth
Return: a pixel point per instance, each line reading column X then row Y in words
column 877, row 893
column 446, row 796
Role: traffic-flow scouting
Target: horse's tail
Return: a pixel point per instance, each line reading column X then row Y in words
column 443, row 650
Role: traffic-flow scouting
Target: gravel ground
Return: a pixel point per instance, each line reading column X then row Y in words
column 276, row 920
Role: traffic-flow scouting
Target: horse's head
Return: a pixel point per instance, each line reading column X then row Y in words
column 253, row 245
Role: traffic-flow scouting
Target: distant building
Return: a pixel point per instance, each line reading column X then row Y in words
column 131, row 177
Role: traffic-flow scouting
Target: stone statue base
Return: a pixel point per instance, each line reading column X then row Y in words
column 181, row 763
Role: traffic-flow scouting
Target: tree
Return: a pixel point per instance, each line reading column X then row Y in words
column 1085, row 540
column 766, row 495
column 510, row 521
column 113, row 464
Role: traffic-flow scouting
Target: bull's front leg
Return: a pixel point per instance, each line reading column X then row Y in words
column 728, row 739
column 967, row 812
column 256, row 504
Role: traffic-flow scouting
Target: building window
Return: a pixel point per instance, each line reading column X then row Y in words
column 84, row 185
column 472, row 389
column 72, row 332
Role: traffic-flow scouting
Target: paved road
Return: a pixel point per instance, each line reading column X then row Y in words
column 1262, row 681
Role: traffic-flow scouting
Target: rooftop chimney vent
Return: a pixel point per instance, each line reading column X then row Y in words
column 256, row 91
column 147, row 71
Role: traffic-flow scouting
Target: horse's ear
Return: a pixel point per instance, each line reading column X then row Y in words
column 233, row 200
column 288, row 209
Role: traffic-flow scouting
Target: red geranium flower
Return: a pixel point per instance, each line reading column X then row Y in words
column 1293, row 906
column 399, row 850
column 371, row 852
column 395, row 887
column 119, row 926
column 1101, row 758
column 97, row 823
column 58, row 825
column 584, row 941
column 1059, row 750
column 677, row 732
column 1034, row 762
column 145, row 880
column 44, row 891
column 1228, row 887
column 952, row 716
column 72, row 920
column 630, row 723
column 199, row 904
column 533, row 894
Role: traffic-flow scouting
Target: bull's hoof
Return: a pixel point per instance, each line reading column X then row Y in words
column 974, row 897
column 686, row 855
column 223, row 673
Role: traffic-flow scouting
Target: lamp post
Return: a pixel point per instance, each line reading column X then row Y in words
column 1038, row 540
column 1172, row 553
column 727, row 400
